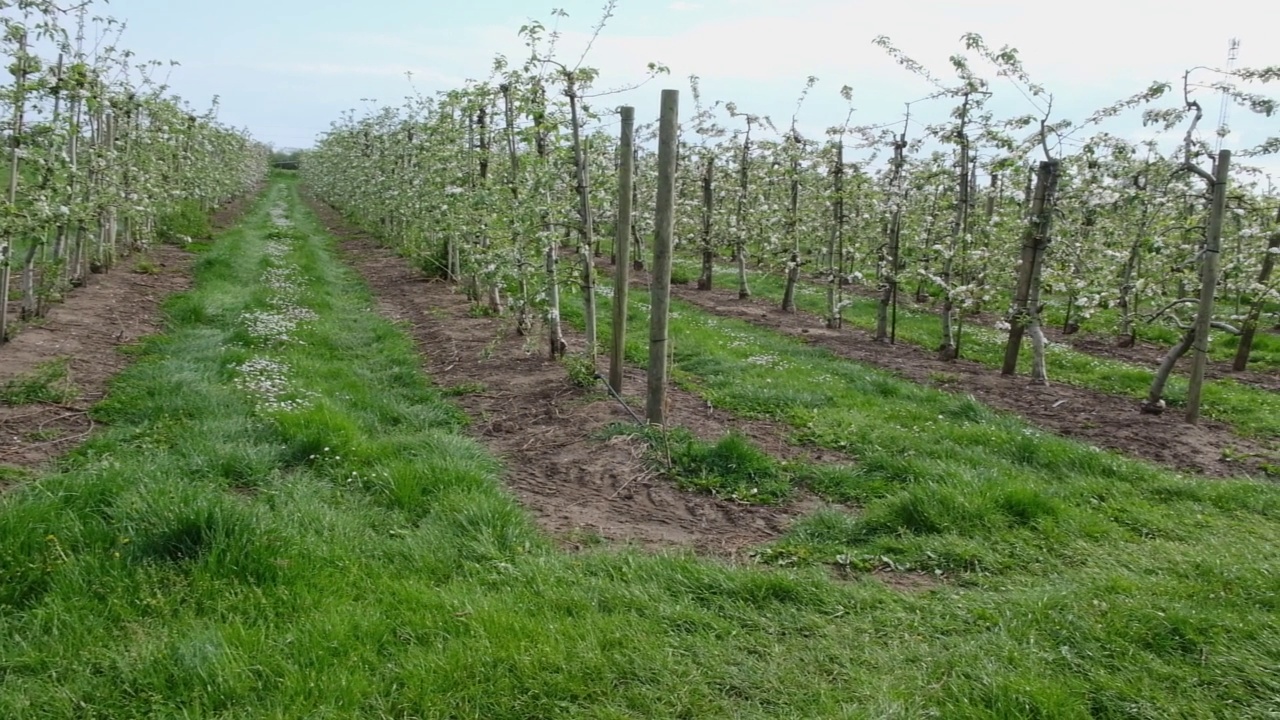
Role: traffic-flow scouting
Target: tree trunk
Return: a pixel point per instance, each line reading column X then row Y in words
column 1039, row 371
column 948, row 349
column 493, row 293
column 15, row 150
column 523, row 322
column 1034, row 243
column 622, row 246
column 586, row 231
column 1028, row 195
column 993, row 192
column 1154, row 404
column 889, row 261
column 555, row 336
column 835, row 242
column 1128, row 294
column 637, row 254
column 740, row 235
column 705, row 280
column 793, row 229
column 1245, row 347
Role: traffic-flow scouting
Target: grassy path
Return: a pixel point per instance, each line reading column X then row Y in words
column 282, row 520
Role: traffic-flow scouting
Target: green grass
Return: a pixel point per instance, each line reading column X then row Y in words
column 184, row 222
column 1251, row 411
column 732, row 468
column 945, row 483
column 202, row 558
column 1264, row 356
column 49, row 382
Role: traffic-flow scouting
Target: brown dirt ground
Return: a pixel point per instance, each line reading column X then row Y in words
column 1100, row 419
column 542, row 426
column 88, row 328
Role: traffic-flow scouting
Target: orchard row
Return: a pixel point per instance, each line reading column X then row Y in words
column 103, row 159
column 485, row 182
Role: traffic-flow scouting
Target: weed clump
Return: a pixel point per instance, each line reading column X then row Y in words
column 183, row 223
column 680, row 276
column 50, row 382
column 582, row 372
column 732, row 468
column 146, row 266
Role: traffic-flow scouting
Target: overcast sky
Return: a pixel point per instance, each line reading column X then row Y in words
column 286, row 68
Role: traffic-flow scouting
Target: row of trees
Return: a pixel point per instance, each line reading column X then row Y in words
column 486, row 181
column 102, row 159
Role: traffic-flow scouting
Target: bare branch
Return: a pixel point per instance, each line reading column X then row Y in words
column 1170, row 306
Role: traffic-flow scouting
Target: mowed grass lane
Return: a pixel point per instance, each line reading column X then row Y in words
column 301, row 529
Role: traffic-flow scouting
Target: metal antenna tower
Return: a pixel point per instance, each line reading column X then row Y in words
column 1233, row 53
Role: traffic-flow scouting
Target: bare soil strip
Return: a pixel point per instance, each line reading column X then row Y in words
column 87, row 330
column 525, row 409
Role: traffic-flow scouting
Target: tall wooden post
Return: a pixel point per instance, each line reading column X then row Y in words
column 664, row 232
column 1208, row 285
column 622, row 246
column 5, row 252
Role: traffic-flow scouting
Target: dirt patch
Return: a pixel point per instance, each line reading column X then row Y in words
column 544, row 428
column 1096, row 418
column 905, row 581
column 909, row 582
column 87, row 330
